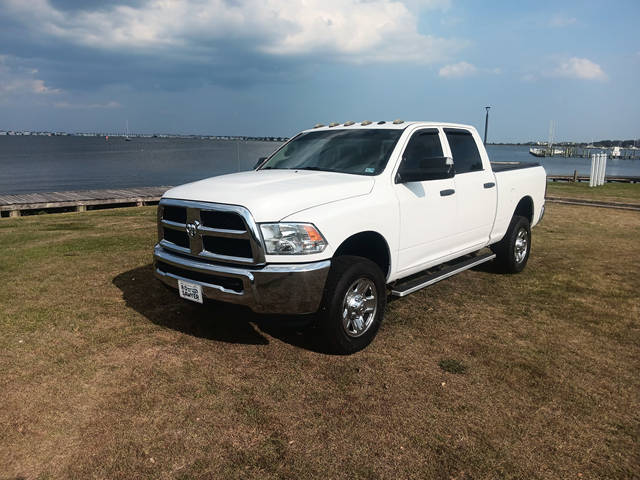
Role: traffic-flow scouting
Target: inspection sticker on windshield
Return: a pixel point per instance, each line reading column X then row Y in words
column 369, row 170
column 190, row 291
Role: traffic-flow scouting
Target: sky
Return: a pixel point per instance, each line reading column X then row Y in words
column 275, row 67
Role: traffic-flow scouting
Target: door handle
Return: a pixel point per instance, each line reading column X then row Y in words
column 445, row 193
column 489, row 185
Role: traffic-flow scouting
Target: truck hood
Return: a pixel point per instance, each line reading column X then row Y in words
column 271, row 195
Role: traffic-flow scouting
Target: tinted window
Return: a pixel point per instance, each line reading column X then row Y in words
column 359, row 151
column 424, row 144
column 466, row 157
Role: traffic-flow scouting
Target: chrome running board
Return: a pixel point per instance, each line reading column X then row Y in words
column 416, row 283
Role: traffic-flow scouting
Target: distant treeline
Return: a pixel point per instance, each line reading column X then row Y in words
column 615, row 143
column 599, row 143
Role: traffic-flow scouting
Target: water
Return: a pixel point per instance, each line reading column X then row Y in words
column 45, row 164
column 561, row 165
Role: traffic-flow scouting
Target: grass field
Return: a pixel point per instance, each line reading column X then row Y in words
column 611, row 192
column 106, row 374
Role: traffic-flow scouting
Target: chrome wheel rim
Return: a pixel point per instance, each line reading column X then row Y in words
column 359, row 307
column 521, row 245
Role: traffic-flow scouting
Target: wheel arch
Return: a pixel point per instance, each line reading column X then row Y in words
column 525, row 209
column 368, row 244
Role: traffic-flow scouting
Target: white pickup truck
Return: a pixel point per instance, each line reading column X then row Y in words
column 340, row 216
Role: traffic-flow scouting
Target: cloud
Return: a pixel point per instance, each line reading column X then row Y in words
column 107, row 105
column 201, row 31
column 560, row 20
column 17, row 80
column 581, row 68
column 456, row 70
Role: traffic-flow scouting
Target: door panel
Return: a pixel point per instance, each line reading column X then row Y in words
column 427, row 222
column 476, row 207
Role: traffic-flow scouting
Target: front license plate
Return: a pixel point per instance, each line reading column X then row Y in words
column 190, row 291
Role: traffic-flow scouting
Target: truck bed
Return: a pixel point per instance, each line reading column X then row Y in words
column 506, row 166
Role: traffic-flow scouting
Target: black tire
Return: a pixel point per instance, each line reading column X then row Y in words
column 354, row 286
column 510, row 256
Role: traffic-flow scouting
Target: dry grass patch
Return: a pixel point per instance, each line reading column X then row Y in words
column 106, row 374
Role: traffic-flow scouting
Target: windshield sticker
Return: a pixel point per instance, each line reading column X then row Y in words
column 369, row 170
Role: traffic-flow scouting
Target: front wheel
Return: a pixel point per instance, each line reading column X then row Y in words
column 353, row 304
column 512, row 252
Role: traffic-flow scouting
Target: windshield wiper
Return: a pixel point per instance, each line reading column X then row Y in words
column 317, row 169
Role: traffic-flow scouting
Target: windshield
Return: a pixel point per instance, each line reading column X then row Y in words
column 362, row 152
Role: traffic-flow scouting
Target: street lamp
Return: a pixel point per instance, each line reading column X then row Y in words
column 486, row 124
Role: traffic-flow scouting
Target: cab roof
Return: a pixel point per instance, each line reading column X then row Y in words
column 389, row 125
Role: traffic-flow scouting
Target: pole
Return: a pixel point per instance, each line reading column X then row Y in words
column 486, row 124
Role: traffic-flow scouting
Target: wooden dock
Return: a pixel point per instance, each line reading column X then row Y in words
column 83, row 200
column 585, row 178
column 80, row 201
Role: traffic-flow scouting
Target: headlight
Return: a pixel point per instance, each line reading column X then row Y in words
column 292, row 238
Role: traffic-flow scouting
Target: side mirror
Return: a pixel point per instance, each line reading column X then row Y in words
column 259, row 162
column 433, row 168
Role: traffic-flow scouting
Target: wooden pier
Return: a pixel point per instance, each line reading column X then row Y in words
column 585, row 178
column 79, row 201
column 83, row 200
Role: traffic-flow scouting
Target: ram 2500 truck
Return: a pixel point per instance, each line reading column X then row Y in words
column 340, row 216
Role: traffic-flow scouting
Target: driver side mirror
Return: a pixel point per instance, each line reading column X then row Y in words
column 432, row 168
column 259, row 162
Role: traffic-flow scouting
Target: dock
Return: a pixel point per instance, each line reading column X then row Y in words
column 79, row 201
column 83, row 200
column 585, row 178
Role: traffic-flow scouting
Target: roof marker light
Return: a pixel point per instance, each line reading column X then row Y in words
column 349, row 123
column 397, row 121
column 366, row 122
column 381, row 122
column 318, row 125
column 334, row 124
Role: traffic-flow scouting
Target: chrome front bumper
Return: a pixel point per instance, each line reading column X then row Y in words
column 294, row 288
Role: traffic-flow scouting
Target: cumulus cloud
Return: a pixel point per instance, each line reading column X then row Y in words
column 456, row 70
column 345, row 30
column 581, row 68
column 17, row 80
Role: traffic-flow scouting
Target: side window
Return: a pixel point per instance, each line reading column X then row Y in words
column 423, row 145
column 466, row 157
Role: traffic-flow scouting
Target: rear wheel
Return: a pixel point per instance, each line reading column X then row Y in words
column 353, row 304
column 512, row 252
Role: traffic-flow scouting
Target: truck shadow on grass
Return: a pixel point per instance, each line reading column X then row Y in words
column 215, row 321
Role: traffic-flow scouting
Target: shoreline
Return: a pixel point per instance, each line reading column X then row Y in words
column 17, row 205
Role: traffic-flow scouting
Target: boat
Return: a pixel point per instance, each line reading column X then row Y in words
column 548, row 151
column 537, row 152
column 126, row 137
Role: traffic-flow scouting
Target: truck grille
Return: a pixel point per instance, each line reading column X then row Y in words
column 215, row 232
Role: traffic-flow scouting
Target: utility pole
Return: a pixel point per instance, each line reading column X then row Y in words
column 486, row 125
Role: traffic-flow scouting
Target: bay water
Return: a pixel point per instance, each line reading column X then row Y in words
column 46, row 164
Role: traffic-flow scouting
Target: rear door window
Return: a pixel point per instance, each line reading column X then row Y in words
column 466, row 157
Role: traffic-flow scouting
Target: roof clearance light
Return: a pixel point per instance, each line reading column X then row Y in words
column 381, row 122
column 318, row 125
column 366, row 122
column 334, row 124
column 349, row 123
column 397, row 121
